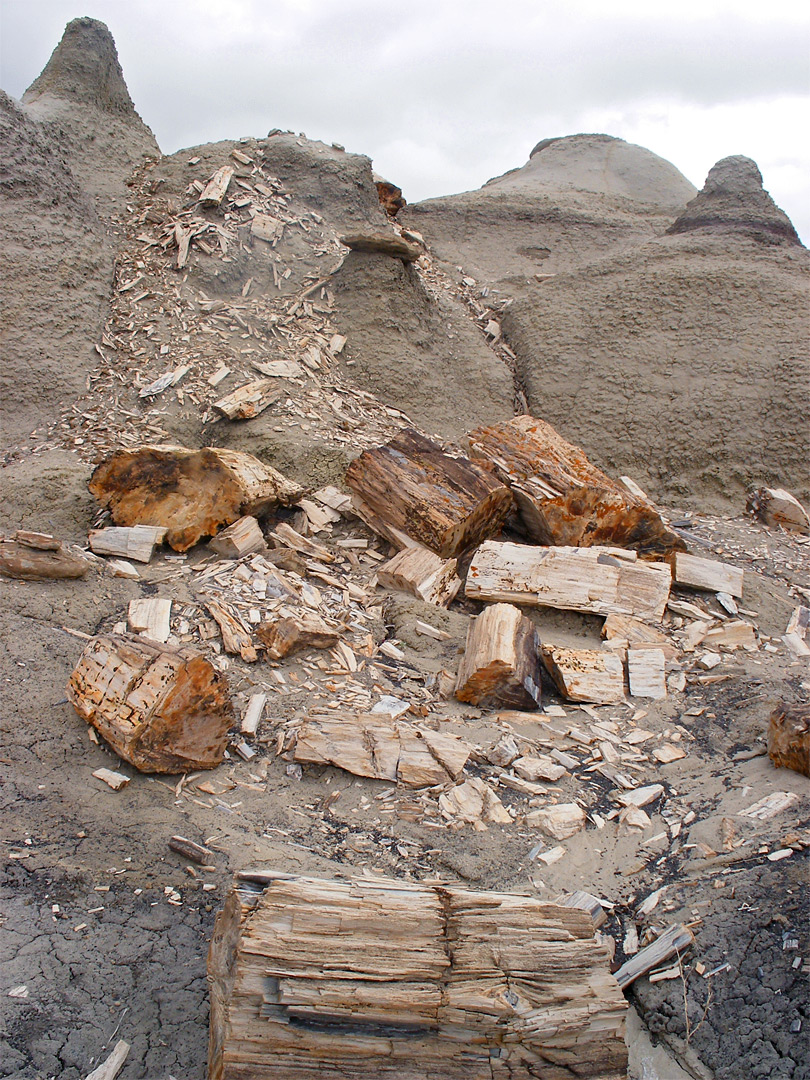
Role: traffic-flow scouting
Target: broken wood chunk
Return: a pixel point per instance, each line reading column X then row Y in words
column 190, row 493
column 39, row 564
column 372, row 745
column 38, row 540
column 534, row 767
column 285, row 534
column 383, row 978
column 137, row 542
column 778, row 508
column 576, row 579
column 162, row 708
column 585, row 674
column 111, row 1066
column 587, row 902
column 708, row 574
column 560, row 821
column 236, row 636
column 382, row 243
column 151, row 617
column 637, row 634
column 114, row 780
column 563, row 499
column 300, row 630
column 646, row 673
column 253, row 713
column 475, row 802
column 672, row 942
column 243, row 537
column 789, row 738
column 214, row 191
column 421, row 573
column 250, row 400
column 267, row 228
column 411, row 488
column 501, row 664
column 189, row 850
column 733, row 635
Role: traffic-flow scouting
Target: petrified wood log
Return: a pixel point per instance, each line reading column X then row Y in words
column 39, row 564
column 189, row 492
column 563, row 498
column 789, row 738
column 501, row 664
column 413, row 487
column 162, row 708
column 401, row 981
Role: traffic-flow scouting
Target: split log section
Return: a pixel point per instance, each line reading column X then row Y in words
column 411, row 492
column 401, row 981
column 501, row 663
column 162, row 708
column 562, row 497
column 191, row 493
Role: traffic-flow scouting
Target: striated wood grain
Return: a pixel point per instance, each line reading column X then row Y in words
column 501, row 664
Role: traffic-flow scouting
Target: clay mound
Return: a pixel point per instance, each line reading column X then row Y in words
column 601, row 164
column 578, row 199
column 734, row 200
column 417, row 351
column 57, row 275
column 82, row 98
column 684, row 363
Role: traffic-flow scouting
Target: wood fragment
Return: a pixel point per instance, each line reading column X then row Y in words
column 699, row 573
column 39, row 564
column 236, row 637
column 38, row 540
column 162, row 708
column 778, row 508
column 250, row 400
column 196, row 853
column 415, row 973
column 295, row 632
column 410, row 487
column 214, row 191
column 789, row 738
column 150, row 617
column 109, row 1069
column 243, row 537
column 419, row 572
column 674, row 941
column 733, row 634
column 585, row 674
column 577, row 579
column 190, row 493
column 560, row 821
column 115, row 780
column 563, row 499
column 372, row 745
column 474, row 802
column 137, row 542
column 587, row 902
column 285, row 534
column 646, row 673
column 253, row 713
column 501, row 664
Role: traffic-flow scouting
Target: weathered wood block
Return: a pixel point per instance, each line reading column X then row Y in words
column 401, row 981
column 411, row 486
column 576, row 579
column 501, row 663
column 371, row 744
column 789, row 738
column 585, row 674
column 162, row 708
column 191, row 493
column 646, row 673
column 698, row 573
column 421, row 573
column 250, row 400
column 563, row 498
column 137, row 542
column 301, row 630
column 242, row 538
column 39, row 564
column 778, row 508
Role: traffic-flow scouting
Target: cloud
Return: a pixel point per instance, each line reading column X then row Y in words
column 444, row 95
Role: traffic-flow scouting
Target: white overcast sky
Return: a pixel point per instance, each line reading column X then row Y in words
column 444, row 94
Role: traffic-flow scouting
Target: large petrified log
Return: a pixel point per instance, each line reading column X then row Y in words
column 403, row 981
column 501, row 663
column 789, row 738
column 599, row 580
column 563, row 498
column 410, row 491
column 162, row 708
column 189, row 492
column 371, row 744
